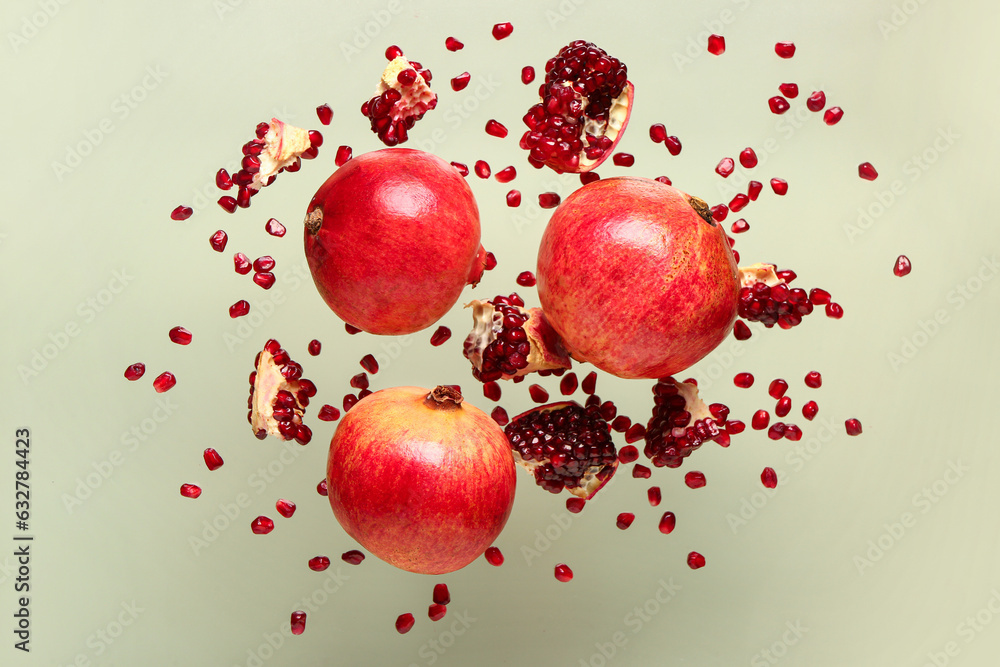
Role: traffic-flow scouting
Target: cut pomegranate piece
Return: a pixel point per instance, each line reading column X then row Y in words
column 766, row 297
column 680, row 424
column 585, row 107
column 402, row 97
column 566, row 446
column 279, row 396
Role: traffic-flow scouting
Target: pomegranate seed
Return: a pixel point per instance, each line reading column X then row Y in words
column 548, row 200
column 589, row 177
column 315, row 347
column 640, row 471
column 491, row 261
column 810, row 410
column 324, row 113
column 319, row 563
column 404, row 623
column 482, row 169
column 223, row 180
column 738, row 203
column 814, row 380
column 492, row 391
column 673, row 145
column 527, row 74
column 816, row 101
column 369, row 363
column 453, row 44
column 625, row 520
column 360, row 381
column 777, row 431
column 286, row 508
column 867, row 171
column 777, row 388
column 261, row 525
column 778, row 104
column 241, row 263
column 620, row 424
column 902, row 267
column 568, row 384
column 719, row 212
column 514, row 198
column 495, row 129
column 760, row 420
column 502, row 30
column 265, row 279
column 784, row 49
column 589, row 384
column 322, row 489
column 783, row 407
column 315, row 138
column 436, row 612
column 441, row 594
column 137, row 370
column 274, row 228
column 743, row 380
column 833, row 115
column 538, row 393
column 853, row 426
column 563, row 573
column 239, row 309
column 349, row 402
column 227, row 203
column 834, row 310
column 393, row 52
column 741, row 331
column 328, row 413
column 628, row 454
column 164, row 382
column 298, row 622
column 818, row 296
column 789, row 90
column 793, row 432
column 461, row 168
column 695, row 560
column 748, row 158
column 264, row 263
column 667, row 523
column 658, row 133
column 779, row 185
column 442, row 334
column 212, row 459
column 352, row 557
column 494, row 556
column 526, row 279
column 499, row 415
column 654, row 495
column 218, row 241
column 753, row 190
column 190, row 490
column 344, row 154
column 461, row 81
column 725, row 167
column 406, row 77
column 181, row 213
column 695, row 479
column 505, row 175
column 735, row 426
column 635, row 433
column 575, row 505
column 740, row 226
column 716, row 45
column 623, row 159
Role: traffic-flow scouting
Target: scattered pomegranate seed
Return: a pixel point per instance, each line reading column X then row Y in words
column 810, row 410
column 227, row 203
column 212, row 459
column 640, row 471
column 719, row 212
column 695, row 479
column 482, row 169
column 902, row 267
column 265, row 279
column 285, row 508
column 319, row 563
column 625, row 520
column 499, row 415
column 491, row 261
column 264, row 263
column 351, row 329
column 716, row 45
column 818, row 296
column 738, row 202
column 667, row 523
column 563, row 573
column 404, row 623
column 725, row 167
column 753, row 190
column 136, row 371
column 440, row 335
column 315, row 138
column 352, row 557
column 620, row 424
column 589, row 384
column 274, row 228
column 779, row 185
column 164, row 382
column 654, row 495
column 223, row 180
column 740, row 226
column 673, row 145
column 261, row 525
column 492, row 391
column 527, row 74
column 514, row 198
column 461, row 81
column 735, row 426
column 783, row 407
column 695, row 560
column 784, row 49
column 495, row 129
column 778, row 104
column 793, row 432
column 816, row 101
column 741, row 331
column 658, row 133
column 635, row 433
column 344, row 154
column 506, row 175
column 748, row 158
column 322, row 489
column 834, row 310
column 777, row 388
column 324, row 113
column 538, row 393
column 298, row 622
column 190, row 490
column 239, row 309
column 789, row 90
column 575, row 505
column 441, row 594
column 393, row 52
column 867, row 171
column 436, row 612
column 218, row 240
column 853, row 426
column 833, row 115
column 502, row 30
column 181, row 213
column 589, row 177
column 360, row 381
column 743, row 380
column 370, row 364
column 328, row 413
column 526, row 279
column 568, row 384
column 760, row 420
column 494, row 557
column 777, row 431
column 548, row 200
column 628, row 454
column 241, row 264
column 461, row 168
column 814, row 380
column 623, row 159
column 453, row 44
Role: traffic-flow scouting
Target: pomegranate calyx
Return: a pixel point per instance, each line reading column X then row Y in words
column 444, row 397
column 314, row 221
column 702, row 209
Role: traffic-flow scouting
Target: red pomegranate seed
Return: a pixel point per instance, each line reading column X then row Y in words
column 725, row 167
column 695, row 479
column 286, row 508
column 719, row 212
column 461, row 81
column 834, row 310
column 753, row 190
column 783, row 407
column 748, row 158
column 369, row 363
column 298, row 622
column 505, row 175
column 620, row 424
column 743, row 380
column 778, row 104
column 482, row 169
column 575, row 505
column 514, row 198
column 563, row 573
column 777, row 431
column 315, row 138
column 349, row 402
column 328, row 413
column 635, row 433
column 344, row 154
column 716, row 45
column 261, row 525
column 352, row 557
column 779, row 185
column 654, row 495
column 538, row 393
column 589, row 177
column 223, row 180
column 784, row 49
column 816, row 101
column 441, row 594
column 239, row 309
column 589, row 384
column 740, row 226
column 137, row 370
column 212, row 459
column 667, row 523
column 568, row 384
column 315, row 347
column 228, row 203
column 867, row 171
column 218, row 240
column 760, row 420
column 640, row 471
column 793, row 432
column 527, row 74
column 265, row 279
column 623, row 159
column 393, row 52
column 625, row 520
column 741, row 331
column 810, row 410
column 833, row 115
column 181, row 213
column 404, row 623
column 814, row 380
column 738, row 203
column 241, row 264
column 499, row 415
column 324, row 113
column 495, row 129
column 735, row 426
column 453, row 44
column 440, row 335
column 658, row 133
column 264, row 263
column 319, row 563
column 853, row 426
column 164, row 382
column 628, row 454
column 360, row 381
column 789, row 90
column 502, row 30
column 494, row 557
column 786, row 275
column 274, row 228
column 902, row 266
column 673, row 145
column 190, row 490
column 461, row 168
column 436, row 612
column 548, row 200
column 492, row 391
column 695, row 560
column 322, row 489
column 777, row 388
column 818, row 296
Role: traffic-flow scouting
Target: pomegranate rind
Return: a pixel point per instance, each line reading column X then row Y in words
column 547, row 351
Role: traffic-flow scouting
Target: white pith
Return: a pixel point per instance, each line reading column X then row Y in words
column 418, row 98
column 617, row 115
column 758, row 273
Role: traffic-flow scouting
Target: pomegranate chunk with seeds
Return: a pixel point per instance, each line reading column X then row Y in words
column 279, row 396
column 276, row 147
column 680, row 424
column 766, row 297
column 402, row 97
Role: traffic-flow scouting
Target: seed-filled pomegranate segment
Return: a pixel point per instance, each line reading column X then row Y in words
column 279, row 396
column 402, row 97
column 277, row 147
column 766, row 297
column 585, row 104
column 566, row 446
column 681, row 423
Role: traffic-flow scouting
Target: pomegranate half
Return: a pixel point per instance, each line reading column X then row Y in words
column 637, row 278
column 392, row 238
column 421, row 479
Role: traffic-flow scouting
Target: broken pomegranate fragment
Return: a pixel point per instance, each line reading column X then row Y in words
column 279, row 396
column 402, row 97
column 681, row 423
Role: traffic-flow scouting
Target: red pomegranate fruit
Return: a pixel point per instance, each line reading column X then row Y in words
column 420, row 478
column 402, row 97
column 391, row 239
column 636, row 277
column 586, row 100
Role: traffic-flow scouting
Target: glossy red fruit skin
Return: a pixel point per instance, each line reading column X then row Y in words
column 417, row 215
column 425, row 486
column 635, row 280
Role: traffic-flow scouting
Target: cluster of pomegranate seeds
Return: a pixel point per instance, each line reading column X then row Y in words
column 867, row 171
column 404, row 623
column 165, row 381
column 239, row 309
column 902, row 266
column 563, row 573
column 440, row 336
column 298, row 622
column 135, row 371
column 352, row 557
column 285, row 508
column 278, row 396
column 695, row 560
column 180, row 335
column 402, row 98
column 508, row 353
column 190, row 490
column 218, row 240
column 767, row 298
column 494, row 556
column 667, row 523
column 716, row 45
column 276, row 147
column 502, row 30
column 213, row 461
column 680, row 424
column 324, row 113
column 262, row 525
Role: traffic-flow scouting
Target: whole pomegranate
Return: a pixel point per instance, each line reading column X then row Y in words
column 636, row 278
column 391, row 239
column 421, row 479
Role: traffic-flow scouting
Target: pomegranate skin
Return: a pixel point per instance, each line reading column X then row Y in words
column 392, row 238
column 425, row 485
column 635, row 280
